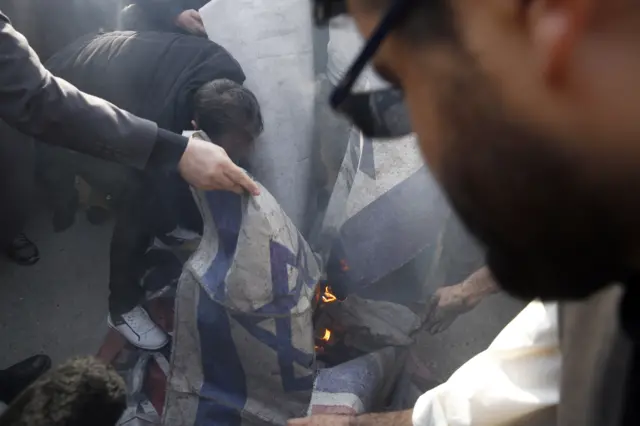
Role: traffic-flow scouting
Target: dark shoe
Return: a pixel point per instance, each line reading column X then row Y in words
column 19, row 376
column 97, row 215
column 23, row 251
column 64, row 217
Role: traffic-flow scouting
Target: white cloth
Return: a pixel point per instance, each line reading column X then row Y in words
column 272, row 41
column 517, row 376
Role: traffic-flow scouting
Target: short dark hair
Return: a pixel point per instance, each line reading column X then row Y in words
column 427, row 21
column 223, row 106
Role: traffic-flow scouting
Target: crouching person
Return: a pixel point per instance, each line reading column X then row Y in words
column 161, row 212
column 182, row 83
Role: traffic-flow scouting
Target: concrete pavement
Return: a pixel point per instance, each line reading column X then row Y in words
column 59, row 305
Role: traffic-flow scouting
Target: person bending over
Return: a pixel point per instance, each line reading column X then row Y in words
column 174, row 80
column 47, row 108
column 161, row 212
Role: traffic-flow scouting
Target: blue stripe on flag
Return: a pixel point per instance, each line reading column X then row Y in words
column 224, row 392
column 282, row 344
column 387, row 233
column 367, row 160
column 288, row 355
column 226, row 210
column 285, row 299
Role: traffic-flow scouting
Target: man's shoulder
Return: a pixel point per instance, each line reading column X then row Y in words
column 209, row 53
column 88, row 43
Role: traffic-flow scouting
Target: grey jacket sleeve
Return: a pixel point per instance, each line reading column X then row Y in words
column 55, row 112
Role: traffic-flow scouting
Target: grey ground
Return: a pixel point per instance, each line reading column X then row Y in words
column 59, row 305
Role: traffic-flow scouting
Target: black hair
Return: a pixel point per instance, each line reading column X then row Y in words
column 223, row 106
column 427, row 21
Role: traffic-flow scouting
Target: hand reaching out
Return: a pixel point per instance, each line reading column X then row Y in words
column 191, row 21
column 448, row 303
column 207, row 166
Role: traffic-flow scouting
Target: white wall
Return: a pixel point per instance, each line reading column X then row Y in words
column 272, row 40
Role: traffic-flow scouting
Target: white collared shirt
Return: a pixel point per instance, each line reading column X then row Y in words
column 515, row 377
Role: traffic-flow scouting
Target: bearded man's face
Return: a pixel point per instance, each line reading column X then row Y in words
column 538, row 154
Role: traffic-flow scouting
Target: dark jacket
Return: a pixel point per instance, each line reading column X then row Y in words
column 161, row 14
column 155, row 75
column 55, row 112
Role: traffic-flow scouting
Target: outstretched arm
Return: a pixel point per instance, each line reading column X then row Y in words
column 514, row 382
column 55, row 112
column 450, row 302
column 479, row 285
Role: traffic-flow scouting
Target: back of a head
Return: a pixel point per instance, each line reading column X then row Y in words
column 223, row 106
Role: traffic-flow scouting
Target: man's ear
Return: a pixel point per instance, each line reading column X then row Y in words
column 555, row 28
column 195, row 125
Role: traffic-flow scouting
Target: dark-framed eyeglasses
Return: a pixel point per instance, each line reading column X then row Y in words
column 378, row 114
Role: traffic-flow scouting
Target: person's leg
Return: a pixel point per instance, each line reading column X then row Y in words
column 56, row 173
column 130, row 241
column 125, row 266
column 107, row 181
column 17, row 168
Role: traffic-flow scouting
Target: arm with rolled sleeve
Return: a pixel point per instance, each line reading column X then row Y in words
column 514, row 382
column 55, row 112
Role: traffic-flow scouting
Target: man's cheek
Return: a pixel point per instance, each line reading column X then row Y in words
column 429, row 129
column 365, row 20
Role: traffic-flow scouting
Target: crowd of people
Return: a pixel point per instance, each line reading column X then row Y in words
column 181, row 81
column 526, row 114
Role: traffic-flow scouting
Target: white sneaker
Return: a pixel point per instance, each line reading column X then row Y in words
column 139, row 329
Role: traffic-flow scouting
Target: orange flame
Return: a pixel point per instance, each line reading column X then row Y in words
column 327, row 335
column 328, row 296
